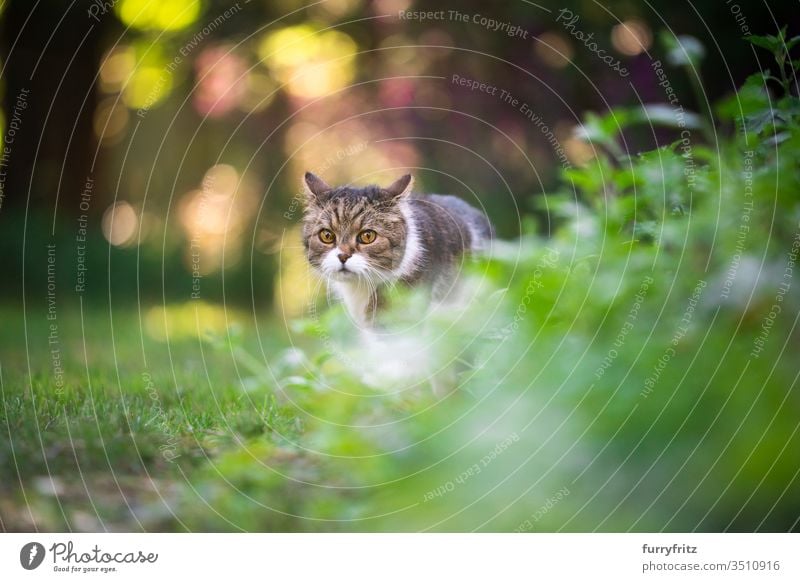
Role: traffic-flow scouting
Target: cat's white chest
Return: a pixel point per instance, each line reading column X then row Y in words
column 356, row 297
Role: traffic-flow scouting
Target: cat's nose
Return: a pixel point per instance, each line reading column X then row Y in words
column 343, row 257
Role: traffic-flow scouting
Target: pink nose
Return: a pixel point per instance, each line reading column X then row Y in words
column 343, row 257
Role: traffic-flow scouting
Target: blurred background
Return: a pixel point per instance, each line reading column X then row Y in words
column 189, row 122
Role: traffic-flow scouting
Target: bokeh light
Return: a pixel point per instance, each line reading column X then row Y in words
column 213, row 218
column 120, row 224
column 151, row 80
column 311, row 63
column 221, row 81
column 631, row 37
column 158, row 14
column 389, row 6
column 116, row 68
column 110, row 121
column 147, row 87
column 206, row 211
column 553, row 49
column 397, row 92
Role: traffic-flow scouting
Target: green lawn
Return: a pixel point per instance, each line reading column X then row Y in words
column 118, row 443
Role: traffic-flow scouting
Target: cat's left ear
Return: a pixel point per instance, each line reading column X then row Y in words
column 401, row 187
column 314, row 187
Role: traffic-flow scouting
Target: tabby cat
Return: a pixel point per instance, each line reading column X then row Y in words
column 364, row 239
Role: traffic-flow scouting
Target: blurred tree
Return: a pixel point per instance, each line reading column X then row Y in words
column 52, row 51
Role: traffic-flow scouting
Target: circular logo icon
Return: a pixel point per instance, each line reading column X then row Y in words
column 31, row 555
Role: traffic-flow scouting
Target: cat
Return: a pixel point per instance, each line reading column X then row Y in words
column 365, row 239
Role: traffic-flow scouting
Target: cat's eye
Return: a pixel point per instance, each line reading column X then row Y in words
column 326, row 236
column 367, row 236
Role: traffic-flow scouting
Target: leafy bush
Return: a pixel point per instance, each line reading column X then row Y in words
column 636, row 371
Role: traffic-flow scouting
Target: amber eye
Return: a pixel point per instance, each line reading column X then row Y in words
column 367, row 236
column 326, row 236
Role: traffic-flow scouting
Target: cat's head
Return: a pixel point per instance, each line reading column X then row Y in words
column 356, row 233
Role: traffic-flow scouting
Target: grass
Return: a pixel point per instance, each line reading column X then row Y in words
column 132, row 419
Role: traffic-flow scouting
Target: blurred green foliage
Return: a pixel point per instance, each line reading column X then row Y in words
column 635, row 390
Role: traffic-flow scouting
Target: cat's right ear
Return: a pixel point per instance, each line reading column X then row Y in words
column 314, row 188
column 401, row 188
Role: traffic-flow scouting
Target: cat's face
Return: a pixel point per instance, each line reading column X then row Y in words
column 352, row 234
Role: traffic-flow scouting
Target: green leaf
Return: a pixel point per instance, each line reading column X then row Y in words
column 751, row 99
column 764, row 119
column 664, row 115
column 595, row 179
column 791, row 43
column 771, row 43
column 759, row 79
column 645, row 230
column 602, row 129
column 778, row 138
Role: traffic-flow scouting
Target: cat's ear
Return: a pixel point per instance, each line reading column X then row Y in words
column 401, row 187
column 314, row 187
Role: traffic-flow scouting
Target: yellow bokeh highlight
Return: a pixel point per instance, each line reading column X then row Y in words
column 309, row 62
column 146, row 87
column 295, row 284
column 189, row 320
column 167, row 15
column 213, row 218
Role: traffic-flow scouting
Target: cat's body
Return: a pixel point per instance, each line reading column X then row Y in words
column 364, row 239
